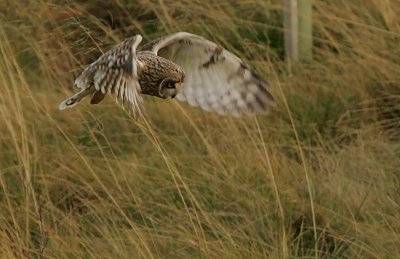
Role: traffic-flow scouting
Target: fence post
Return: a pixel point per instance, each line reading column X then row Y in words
column 305, row 30
column 290, row 24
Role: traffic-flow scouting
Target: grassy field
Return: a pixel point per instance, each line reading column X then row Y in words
column 317, row 178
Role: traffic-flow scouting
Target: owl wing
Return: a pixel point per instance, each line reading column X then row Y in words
column 216, row 79
column 115, row 72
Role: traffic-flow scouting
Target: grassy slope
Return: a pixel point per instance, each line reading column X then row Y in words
column 321, row 172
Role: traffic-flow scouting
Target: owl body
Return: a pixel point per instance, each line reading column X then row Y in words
column 181, row 65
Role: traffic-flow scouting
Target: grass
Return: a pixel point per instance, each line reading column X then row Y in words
column 317, row 178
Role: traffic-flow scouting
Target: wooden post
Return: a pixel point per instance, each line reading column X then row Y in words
column 290, row 23
column 305, row 30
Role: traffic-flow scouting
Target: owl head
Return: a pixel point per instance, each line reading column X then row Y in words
column 160, row 77
column 172, row 82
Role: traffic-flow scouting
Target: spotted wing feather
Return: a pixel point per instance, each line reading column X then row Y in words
column 116, row 73
column 216, row 79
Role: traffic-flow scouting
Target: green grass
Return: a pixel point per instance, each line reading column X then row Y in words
column 317, row 178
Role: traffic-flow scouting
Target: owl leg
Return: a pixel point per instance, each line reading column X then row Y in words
column 73, row 100
column 98, row 96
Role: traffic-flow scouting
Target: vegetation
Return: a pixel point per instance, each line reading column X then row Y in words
column 317, row 178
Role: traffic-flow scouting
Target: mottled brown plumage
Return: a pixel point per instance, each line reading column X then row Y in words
column 213, row 78
column 154, row 70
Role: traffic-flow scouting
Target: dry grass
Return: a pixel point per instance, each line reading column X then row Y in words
column 318, row 178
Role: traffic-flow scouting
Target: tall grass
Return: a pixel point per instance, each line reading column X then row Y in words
column 318, row 178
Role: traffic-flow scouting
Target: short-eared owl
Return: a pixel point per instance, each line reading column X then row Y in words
column 184, row 65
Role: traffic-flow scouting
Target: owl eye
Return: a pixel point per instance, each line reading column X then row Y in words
column 170, row 85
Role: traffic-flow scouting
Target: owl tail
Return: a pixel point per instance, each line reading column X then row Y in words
column 73, row 100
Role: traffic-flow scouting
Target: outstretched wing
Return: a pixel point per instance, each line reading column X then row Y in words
column 115, row 72
column 216, row 79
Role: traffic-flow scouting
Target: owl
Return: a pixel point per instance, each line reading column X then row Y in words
column 182, row 65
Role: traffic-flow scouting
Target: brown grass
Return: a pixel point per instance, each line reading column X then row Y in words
column 317, row 178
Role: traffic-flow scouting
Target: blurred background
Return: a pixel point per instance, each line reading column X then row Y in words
column 317, row 178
